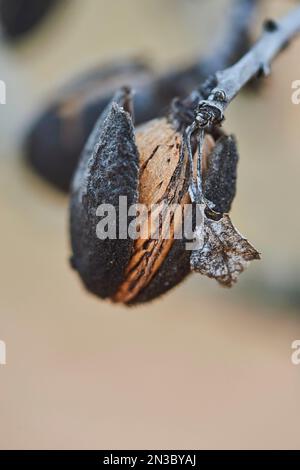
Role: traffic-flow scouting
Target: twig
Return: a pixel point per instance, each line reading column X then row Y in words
column 230, row 81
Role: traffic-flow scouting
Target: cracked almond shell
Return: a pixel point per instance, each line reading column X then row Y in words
column 145, row 166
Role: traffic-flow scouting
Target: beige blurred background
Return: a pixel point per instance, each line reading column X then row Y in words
column 202, row 367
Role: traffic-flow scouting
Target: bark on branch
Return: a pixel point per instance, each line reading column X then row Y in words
column 229, row 82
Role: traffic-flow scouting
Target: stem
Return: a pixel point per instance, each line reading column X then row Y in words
column 230, row 81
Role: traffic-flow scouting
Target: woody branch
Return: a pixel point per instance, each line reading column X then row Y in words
column 229, row 82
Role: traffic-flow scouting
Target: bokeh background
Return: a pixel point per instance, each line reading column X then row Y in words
column 203, row 367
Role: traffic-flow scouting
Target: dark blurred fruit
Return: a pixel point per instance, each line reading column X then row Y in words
column 54, row 144
column 20, row 16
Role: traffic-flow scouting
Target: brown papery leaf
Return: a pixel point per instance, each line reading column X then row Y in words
column 223, row 253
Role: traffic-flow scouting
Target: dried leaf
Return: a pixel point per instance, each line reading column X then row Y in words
column 223, row 253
